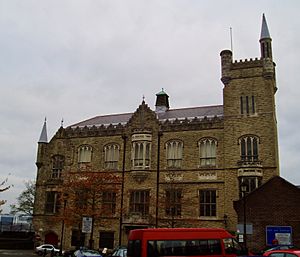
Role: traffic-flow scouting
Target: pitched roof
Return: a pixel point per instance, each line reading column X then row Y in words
column 182, row 113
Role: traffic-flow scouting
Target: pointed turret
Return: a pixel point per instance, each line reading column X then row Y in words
column 42, row 144
column 162, row 102
column 265, row 40
column 43, row 136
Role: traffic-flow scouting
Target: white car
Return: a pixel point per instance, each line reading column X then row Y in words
column 40, row 250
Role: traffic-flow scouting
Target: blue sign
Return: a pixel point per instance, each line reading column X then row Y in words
column 282, row 235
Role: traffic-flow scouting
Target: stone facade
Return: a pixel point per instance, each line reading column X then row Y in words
column 178, row 168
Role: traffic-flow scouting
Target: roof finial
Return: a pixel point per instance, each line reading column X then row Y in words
column 143, row 99
column 62, row 122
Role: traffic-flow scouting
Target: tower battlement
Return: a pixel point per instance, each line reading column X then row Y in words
column 247, row 63
column 265, row 62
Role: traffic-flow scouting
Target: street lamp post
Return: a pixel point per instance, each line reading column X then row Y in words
column 62, row 229
column 244, row 190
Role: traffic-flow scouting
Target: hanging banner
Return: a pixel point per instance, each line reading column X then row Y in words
column 87, row 224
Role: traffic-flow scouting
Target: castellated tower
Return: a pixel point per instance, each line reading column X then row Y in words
column 249, row 115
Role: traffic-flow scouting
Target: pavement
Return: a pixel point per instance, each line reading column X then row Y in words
column 12, row 253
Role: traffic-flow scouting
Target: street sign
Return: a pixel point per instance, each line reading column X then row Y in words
column 87, row 224
column 282, row 234
column 249, row 228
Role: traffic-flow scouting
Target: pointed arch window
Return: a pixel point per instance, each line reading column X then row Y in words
column 111, row 156
column 207, row 152
column 174, row 150
column 57, row 165
column 249, row 148
column 85, row 154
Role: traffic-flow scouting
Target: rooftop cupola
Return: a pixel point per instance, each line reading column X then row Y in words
column 162, row 102
column 265, row 40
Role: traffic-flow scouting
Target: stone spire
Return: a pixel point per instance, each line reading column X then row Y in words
column 43, row 136
column 264, row 29
column 265, row 40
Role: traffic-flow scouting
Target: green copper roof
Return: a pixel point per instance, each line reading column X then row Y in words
column 162, row 92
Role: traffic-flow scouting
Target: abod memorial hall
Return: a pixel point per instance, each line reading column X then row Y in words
column 157, row 166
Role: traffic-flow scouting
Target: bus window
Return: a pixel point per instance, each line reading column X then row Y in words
column 232, row 246
column 183, row 247
column 134, row 248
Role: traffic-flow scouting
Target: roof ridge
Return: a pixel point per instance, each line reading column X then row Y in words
column 195, row 107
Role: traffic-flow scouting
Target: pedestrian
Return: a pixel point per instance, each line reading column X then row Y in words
column 104, row 252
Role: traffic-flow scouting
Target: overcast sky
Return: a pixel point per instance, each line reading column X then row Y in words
column 78, row 59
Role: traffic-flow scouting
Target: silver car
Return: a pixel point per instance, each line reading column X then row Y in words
column 48, row 248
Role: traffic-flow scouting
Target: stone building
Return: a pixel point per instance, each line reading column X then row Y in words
column 175, row 167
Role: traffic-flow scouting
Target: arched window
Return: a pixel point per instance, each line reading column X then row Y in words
column 207, row 152
column 174, row 150
column 84, row 154
column 111, row 156
column 57, row 165
column 249, row 148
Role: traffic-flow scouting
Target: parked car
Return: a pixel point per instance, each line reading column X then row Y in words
column 283, row 253
column 87, row 253
column 120, row 251
column 278, row 247
column 40, row 250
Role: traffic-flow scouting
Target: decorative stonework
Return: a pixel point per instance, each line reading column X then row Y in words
column 173, row 177
column 207, row 175
column 244, row 172
column 140, row 176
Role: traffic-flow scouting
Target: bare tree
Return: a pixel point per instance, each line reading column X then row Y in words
column 3, row 187
column 25, row 200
